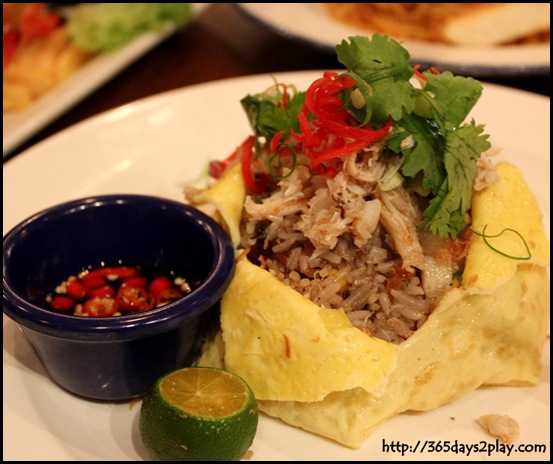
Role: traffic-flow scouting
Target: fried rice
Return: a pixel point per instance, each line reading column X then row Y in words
column 352, row 241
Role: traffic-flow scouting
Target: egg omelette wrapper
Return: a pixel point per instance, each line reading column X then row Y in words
column 312, row 369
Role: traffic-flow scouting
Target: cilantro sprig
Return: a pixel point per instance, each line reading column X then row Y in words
column 445, row 149
column 267, row 115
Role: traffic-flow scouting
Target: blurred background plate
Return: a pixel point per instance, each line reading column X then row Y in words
column 18, row 126
column 309, row 22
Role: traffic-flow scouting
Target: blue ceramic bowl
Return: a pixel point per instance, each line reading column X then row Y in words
column 118, row 357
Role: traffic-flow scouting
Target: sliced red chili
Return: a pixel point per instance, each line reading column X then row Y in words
column 112, row 291
column 112, row 273
column 93, row 280
column 167, row 296
column 347, row 149
column 418, row 73
column 159, row 284
column 62, row 303
column 330, row 134
column 100, row 307
column 99, row 277
column 102, row 292
column 217, row 168
column 275, row 141
column 136, row 281
column 321, row 99
column 134, row 299
column 253, row 185
column 76, row 289
column 365, row 134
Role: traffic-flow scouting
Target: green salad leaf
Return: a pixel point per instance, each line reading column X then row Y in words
column 104, row 27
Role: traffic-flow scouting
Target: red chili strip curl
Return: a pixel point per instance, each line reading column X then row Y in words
column 366, row 134
column 246, row 153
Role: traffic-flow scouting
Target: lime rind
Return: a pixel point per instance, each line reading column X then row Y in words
column 170, row 432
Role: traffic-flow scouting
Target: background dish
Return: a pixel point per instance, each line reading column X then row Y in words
column 18, row 126
column 311, row 23
column 155, row 146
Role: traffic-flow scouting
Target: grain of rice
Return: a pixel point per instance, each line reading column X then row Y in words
column 403, row 298
column 412, row 314
column 385, row 303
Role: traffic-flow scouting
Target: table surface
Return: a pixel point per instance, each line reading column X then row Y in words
column 221, row 43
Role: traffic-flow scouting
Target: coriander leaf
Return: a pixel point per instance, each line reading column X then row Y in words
column 362, row 113
column 384, row 64
column 424, row 154
column 446, row 214
column 375, row 58
column 443, row 216
column 453, row 97
column 391, row 99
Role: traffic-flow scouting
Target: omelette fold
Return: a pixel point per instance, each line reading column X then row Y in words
column 311, row 368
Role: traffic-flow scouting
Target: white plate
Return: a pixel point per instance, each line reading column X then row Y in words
column 155, row 146
column 311, row 23
column 18, row 126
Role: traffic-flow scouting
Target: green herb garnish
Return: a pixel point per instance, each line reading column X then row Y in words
column 486, row 238
column 443, row 149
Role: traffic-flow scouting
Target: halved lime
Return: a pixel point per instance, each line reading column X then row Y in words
column 199, row 414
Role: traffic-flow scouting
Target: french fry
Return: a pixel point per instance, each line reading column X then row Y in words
column 38, row 66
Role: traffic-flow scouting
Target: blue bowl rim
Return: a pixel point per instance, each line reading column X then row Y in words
column 127, row 327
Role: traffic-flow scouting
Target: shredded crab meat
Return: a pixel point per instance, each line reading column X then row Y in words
column 400, row 219
column 486, row 169
column 500, row 426
column 365, row 166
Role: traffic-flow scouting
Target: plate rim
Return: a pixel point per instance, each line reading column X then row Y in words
column 472, row 69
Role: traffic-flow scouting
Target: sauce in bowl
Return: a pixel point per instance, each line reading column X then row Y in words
column 117, row 291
